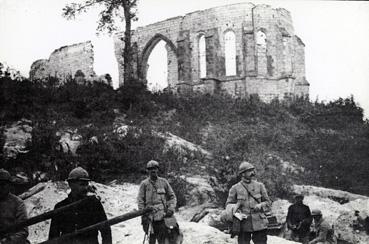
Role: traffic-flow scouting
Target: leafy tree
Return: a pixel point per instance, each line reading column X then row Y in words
column 124, row 10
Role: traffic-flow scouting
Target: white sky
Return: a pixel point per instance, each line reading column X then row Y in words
column 336, row 35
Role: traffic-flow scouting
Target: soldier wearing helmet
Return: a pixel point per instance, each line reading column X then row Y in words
column 252, row 200
column 81, row 216
column 12, row 211
column 324, row 231
column 156, row 193
column 299, row 220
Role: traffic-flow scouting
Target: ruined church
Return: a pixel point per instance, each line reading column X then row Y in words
column 241, row 49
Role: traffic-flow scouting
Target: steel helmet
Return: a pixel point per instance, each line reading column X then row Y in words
column 152, row 164
column 316, row 212
column 4, row 175
column 78, row 174
column 245, row 166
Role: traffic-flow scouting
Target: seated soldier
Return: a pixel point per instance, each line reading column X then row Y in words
column 324, row 231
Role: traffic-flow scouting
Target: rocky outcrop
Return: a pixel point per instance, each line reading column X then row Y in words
column 121, row 127
column 69, row 140
column 181, row 145
column 199, row 191
column 16, row 138
column 336, row 195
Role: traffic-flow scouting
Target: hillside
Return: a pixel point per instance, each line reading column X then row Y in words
column 117, row 132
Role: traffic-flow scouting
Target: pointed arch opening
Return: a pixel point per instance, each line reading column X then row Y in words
column 230, row 52
column 159, row 67
column 202, row 56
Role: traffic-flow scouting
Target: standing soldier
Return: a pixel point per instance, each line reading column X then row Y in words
column 156, row 193
column 251, row 199
column 12, row 211
column 323, row 230
column 299, row 220
column 81, row 216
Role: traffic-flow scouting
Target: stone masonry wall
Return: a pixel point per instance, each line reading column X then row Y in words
column 269, row 57
column 64, row 62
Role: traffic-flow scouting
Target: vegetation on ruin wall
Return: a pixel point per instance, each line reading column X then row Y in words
column 331, row 141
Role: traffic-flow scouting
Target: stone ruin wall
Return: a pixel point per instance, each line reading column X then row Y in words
column 276, row 69
column 64, row 62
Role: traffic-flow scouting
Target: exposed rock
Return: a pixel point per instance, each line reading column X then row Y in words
column 21, row 178
column 336, row 195
column 121, row 127
column 70, row 140
column 287, row 168
column 39, row 176
column 199, row 191
column 279, row 209
column 173, row 141
column 16, row 138
column 122, row 130
column 94, row 140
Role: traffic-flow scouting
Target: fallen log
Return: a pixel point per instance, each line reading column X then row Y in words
column 34, row 190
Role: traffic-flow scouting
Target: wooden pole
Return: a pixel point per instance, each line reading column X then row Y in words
column 44, row 216
column 97, row 226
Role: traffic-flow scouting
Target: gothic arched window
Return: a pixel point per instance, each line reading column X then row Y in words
column 230, row 53
column 202, row 56
column 261, row 39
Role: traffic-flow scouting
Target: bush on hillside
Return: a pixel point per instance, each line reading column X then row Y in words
column 330, row 140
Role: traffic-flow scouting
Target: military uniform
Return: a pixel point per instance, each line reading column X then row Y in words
column 12, row 211
column 255, row 226
column 324, row 232
column 81, row 216
column 159, row 196
column 299, row 215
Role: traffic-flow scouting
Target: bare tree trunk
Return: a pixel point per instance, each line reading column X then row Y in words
column 127, row 43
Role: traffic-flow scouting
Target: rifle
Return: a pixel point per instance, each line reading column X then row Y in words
column 42, row 217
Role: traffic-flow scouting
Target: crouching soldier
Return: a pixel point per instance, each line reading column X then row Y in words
column 157, row 194
column 81, row 216
column 324, row 232
column 12, row 211
column 251, row 201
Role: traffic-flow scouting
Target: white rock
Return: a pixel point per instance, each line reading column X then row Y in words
column 327, row 193
column 70, row 140
column 16, row 138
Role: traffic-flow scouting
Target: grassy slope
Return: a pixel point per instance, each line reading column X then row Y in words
column 331, row 141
